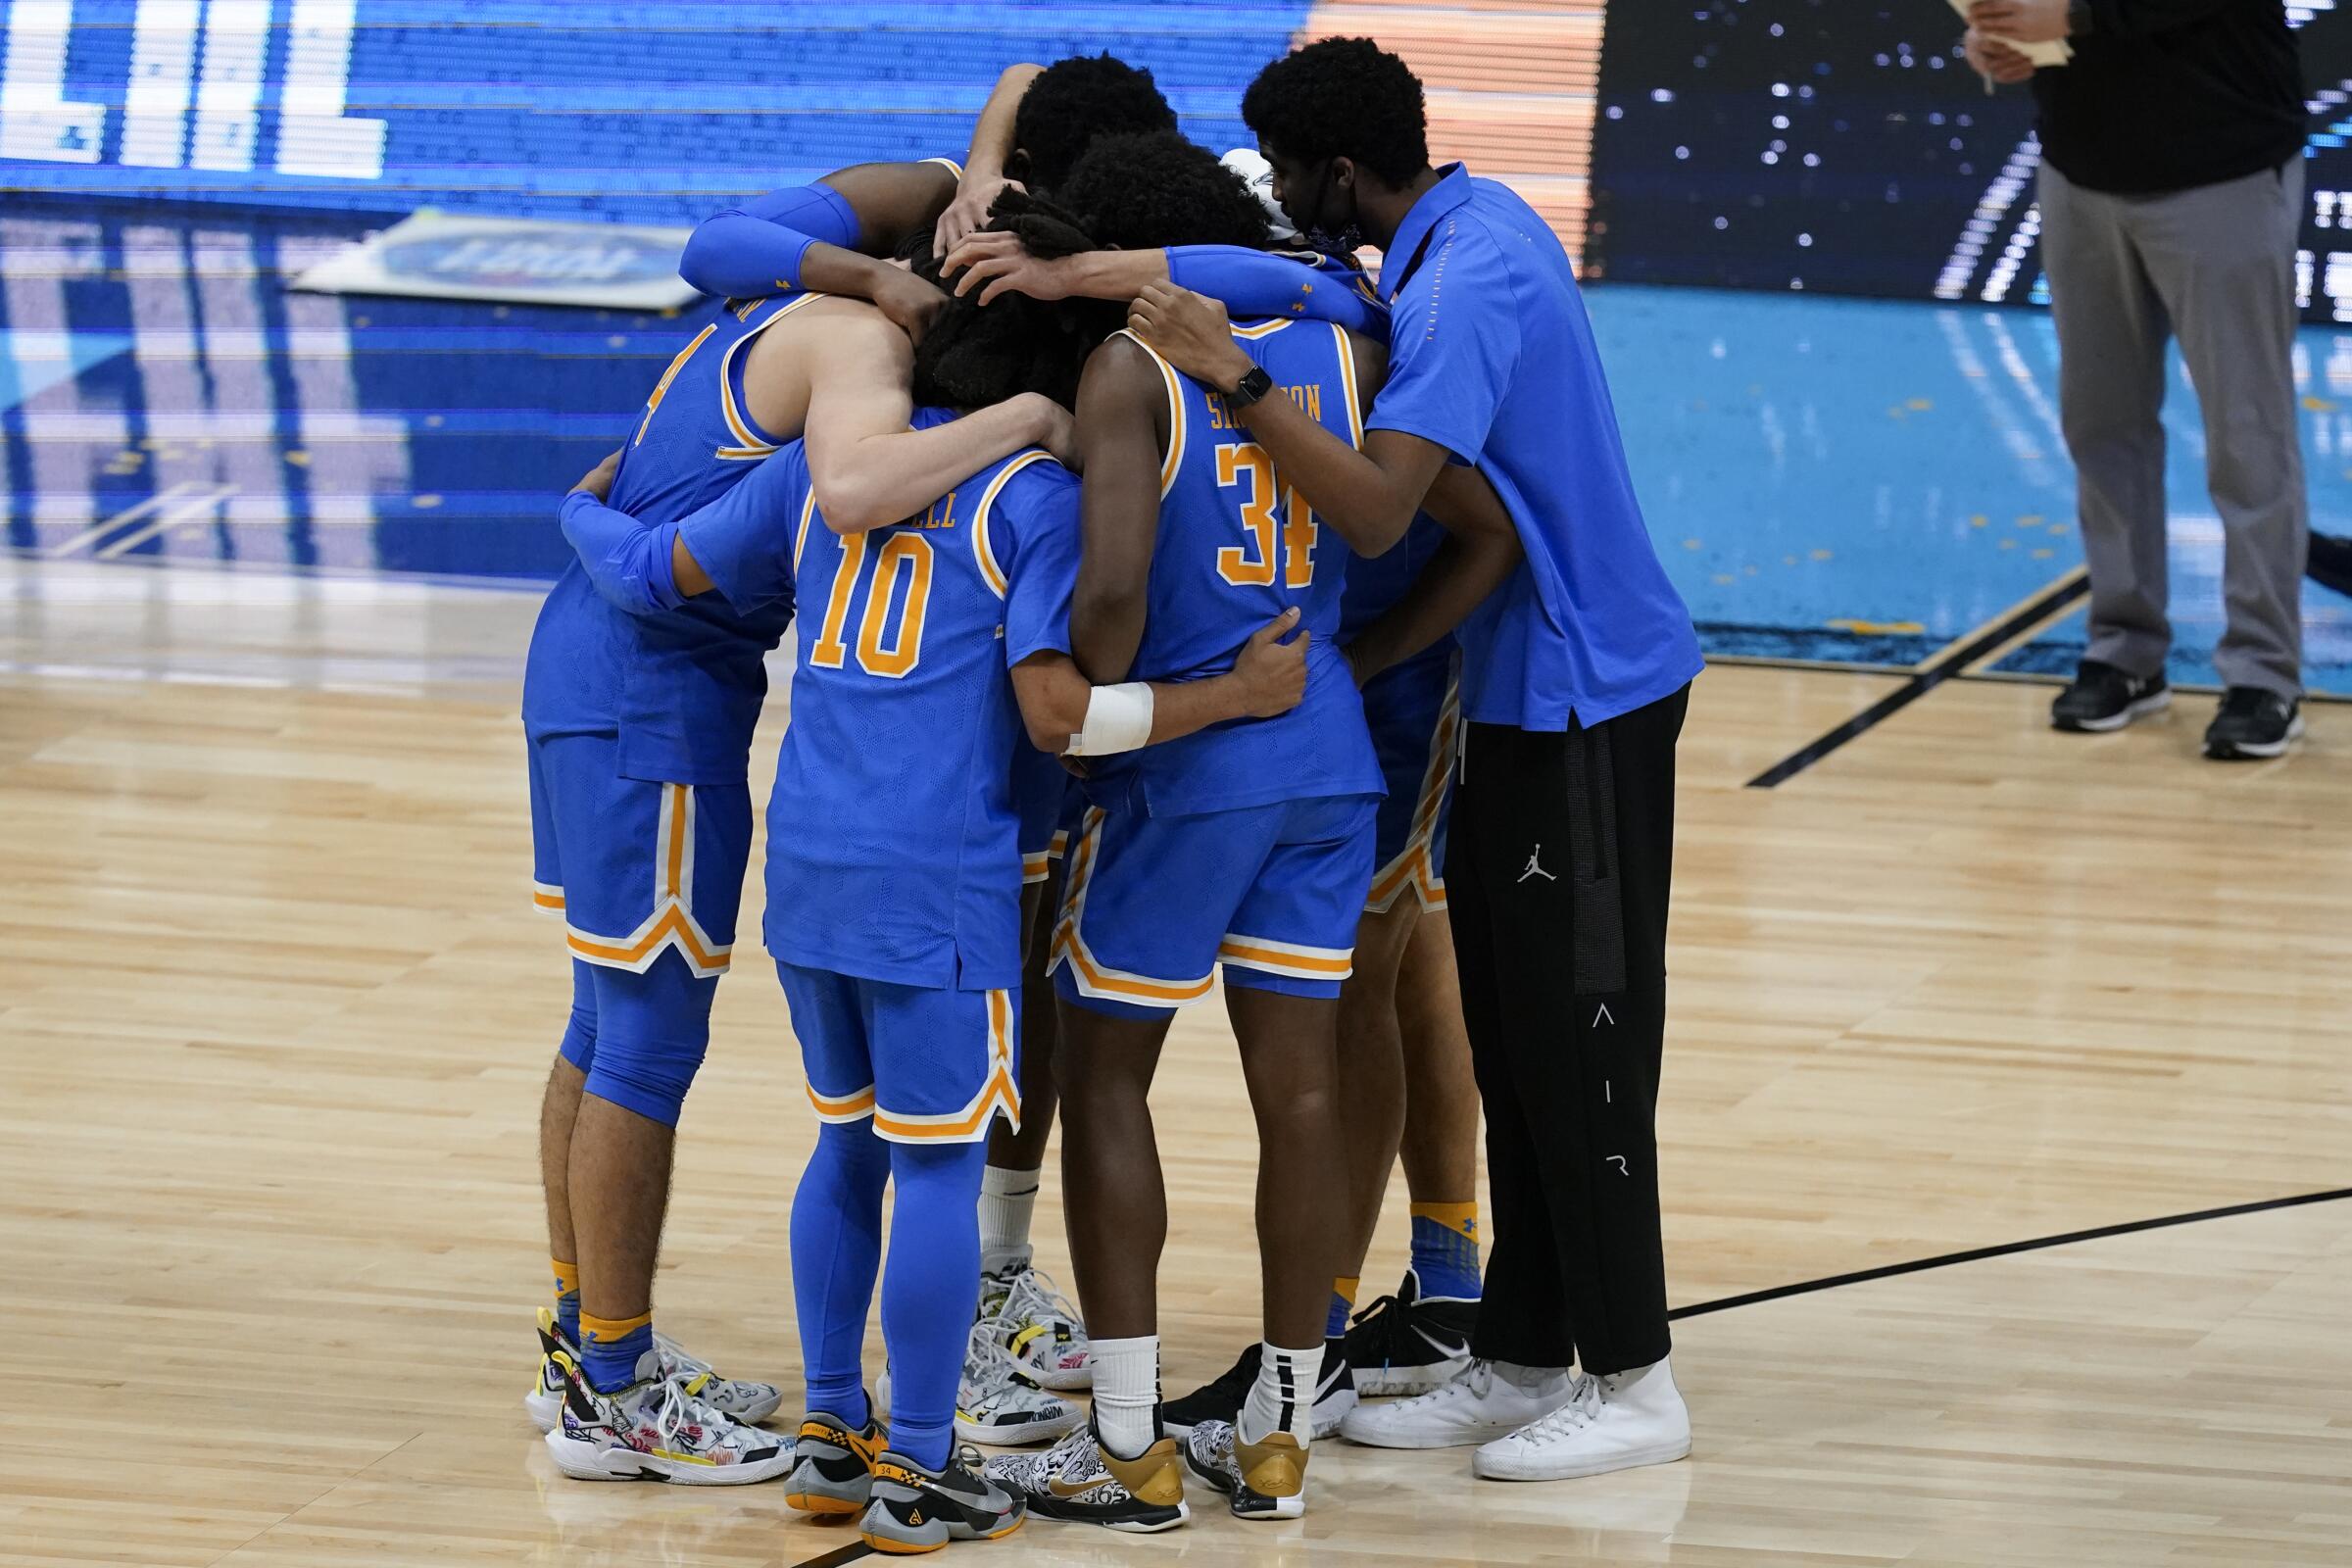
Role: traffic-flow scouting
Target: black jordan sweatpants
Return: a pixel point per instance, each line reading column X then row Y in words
column 1557, row 872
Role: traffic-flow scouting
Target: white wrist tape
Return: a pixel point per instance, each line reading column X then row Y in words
column 1118, row 718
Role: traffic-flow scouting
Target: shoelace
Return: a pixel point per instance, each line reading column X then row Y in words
column 680, row 1367
column 680, row 1408
column 1035, row 1299
column 990, row 1371
column 1381, row 1327
column 1582, row 1410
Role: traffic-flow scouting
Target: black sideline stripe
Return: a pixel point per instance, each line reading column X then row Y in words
column 1945, row 665
column 1979, row 1254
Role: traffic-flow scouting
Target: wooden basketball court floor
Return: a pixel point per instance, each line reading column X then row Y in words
column 274, row 1012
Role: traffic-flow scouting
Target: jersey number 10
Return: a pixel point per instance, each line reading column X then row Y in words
column 1253, row 563
column 880, row 651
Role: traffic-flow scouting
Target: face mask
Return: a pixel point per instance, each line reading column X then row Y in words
column 1343, row 241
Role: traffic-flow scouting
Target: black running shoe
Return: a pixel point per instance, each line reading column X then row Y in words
column 1409, row 1343
column 915, row 1509
column 1079, row 1481
column 2104, row 698
column 1220, row 1400
column 2252, row 724
column 2331, row 564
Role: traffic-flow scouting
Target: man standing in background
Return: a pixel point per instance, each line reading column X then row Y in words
column 2172, row 195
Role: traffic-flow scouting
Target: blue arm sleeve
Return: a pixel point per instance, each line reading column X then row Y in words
column 1300, row 285
column 757, row 248
column 628, row 562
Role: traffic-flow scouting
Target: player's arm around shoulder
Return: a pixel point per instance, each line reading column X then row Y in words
column 1123, row 435
column 1067, row 715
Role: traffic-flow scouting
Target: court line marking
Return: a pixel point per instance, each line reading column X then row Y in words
column 1932, row 673
column 1976, row 1254
column 162, row 498
column 833, row 1559
column 190, row 510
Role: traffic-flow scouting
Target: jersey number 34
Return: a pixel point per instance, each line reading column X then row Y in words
column 1266, row 526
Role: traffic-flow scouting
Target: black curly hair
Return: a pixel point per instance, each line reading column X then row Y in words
column 1127, row 193
column 1071, row 102
column 1144, row 190
column 1342, row 98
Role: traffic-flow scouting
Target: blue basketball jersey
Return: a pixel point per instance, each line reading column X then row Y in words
column 1235, row 549
column 893, row 835
column 682, row 691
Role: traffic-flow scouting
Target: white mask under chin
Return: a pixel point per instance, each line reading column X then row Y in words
column 1258, row 176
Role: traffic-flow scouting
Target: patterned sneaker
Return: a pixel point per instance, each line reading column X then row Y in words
column 915, row 1509
column 1077, row 1480
column 1409, row 1343
column 1039, row 1327
column 745, row 1401
column 1000, row 1403
column 1260, row 1480
column 657, row 1429
column 835, row 1470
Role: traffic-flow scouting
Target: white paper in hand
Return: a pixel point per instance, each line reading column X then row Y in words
column 2057, row 52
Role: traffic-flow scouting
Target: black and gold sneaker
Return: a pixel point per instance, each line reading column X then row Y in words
column 1260, row 1480
column 1080, row 1481
column 915, row 1509
column 833, row 1465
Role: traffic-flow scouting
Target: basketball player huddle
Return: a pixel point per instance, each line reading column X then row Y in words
column 1170, row 598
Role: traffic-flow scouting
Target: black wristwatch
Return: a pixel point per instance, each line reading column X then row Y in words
column 1256, row 385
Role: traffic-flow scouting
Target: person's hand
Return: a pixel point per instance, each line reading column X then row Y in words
column 969, row 209
column 1192, row 333
column 1995, row 60
column 598, row 481
column 1055, row 427
column 2020, row 20
column 995, row 262
column 1272, row 672
column 910, row 303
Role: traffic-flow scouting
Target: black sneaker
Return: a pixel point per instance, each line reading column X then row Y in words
column 1409, row 1343
column 2331, row 564
column 1220, row 1400
column 2104, row 698
column 915, row 1509
column 2252, row 724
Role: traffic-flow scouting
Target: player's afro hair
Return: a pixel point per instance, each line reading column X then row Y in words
column 1142, row 191
column 1342, row 98
column 1074, row 101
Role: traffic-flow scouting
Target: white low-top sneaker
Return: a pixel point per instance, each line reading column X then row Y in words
column 1484, row 1401
column 1618, row 1422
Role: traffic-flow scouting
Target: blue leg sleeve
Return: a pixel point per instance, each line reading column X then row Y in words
column 651, row 1032
column 931, row 1291
column 836, row 1251
column 579, row 1034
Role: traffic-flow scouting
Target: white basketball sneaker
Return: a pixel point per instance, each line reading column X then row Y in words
column 1039, row 1327
column 657, row 1429
column 1617, row 1422
column 1484, row 1401
column 745, row 1401
column 997, row 1402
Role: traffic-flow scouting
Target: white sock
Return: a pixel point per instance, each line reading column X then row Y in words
column 1283, row 1394
column 1006, row 1199
column 1126, row 1393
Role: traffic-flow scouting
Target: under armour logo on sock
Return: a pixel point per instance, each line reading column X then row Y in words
column 1534, row 866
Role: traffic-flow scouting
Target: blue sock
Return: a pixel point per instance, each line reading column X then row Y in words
column 836, row 1251
column 930, row 1290
column 609, row 1349
column 1445, row 1250
column 1343, row 1303
column 568, row 1298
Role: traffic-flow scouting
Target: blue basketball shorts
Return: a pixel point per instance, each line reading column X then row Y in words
column 633, row 867
column 1415, row 712
column 927, row 1065
column 1042, row 791
column 1153, row 905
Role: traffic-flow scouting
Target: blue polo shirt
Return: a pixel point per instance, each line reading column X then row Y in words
column 1491, row 357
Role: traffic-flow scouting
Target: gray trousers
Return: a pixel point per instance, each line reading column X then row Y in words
column 2216, row 266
